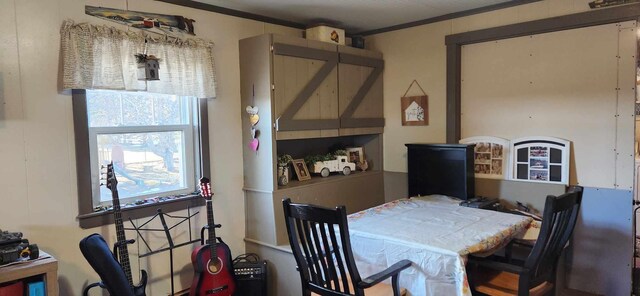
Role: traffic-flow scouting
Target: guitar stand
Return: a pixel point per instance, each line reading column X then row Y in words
column 207, row 227
column 118, row 244
column 166, row 229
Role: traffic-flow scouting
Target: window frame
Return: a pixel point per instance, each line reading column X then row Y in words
column 87, row 217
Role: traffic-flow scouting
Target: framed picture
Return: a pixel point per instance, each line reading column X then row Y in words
column 415, row 110
column 491, row 156
column 301, row 169
column 540, row 159
column 355, row 154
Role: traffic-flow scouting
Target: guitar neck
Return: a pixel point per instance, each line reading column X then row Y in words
column 123, row 251
column 212, row 227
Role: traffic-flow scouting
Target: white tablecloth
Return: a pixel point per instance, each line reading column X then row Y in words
column 433, row 232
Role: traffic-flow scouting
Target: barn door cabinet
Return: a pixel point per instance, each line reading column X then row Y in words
column 318, row 89
column 310, row 96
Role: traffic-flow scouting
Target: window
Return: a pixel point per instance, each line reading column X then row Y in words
column 154, row 141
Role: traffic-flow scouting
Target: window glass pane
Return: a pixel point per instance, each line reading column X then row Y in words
column 145, row 163
column 113, row 108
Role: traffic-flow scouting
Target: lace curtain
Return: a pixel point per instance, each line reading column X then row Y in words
column 101, row 57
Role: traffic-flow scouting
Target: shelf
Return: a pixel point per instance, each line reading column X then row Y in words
column 47, row 267
column 315, row 180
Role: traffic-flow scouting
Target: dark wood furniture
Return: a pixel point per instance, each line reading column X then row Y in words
column 537, row 274
column 445, row 169
column 324, row 258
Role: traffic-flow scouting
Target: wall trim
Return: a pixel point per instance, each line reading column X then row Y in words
column 572, row 21
column 281, row 248
column 237, row 13
column 448, row 17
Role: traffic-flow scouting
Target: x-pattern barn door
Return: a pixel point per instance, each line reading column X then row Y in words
column 360, row 91
column 319, row 89
column 313, row 93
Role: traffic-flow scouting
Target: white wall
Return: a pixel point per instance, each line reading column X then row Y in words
column 38, row 177
column 420, row 53
column 575, row 84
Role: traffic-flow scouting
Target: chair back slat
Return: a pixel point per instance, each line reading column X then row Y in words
column 325, row 263
column 315, row 258
column 305, row 266
column 332, row 276
column 558, row 221
column 339, row 260
column 321, row 254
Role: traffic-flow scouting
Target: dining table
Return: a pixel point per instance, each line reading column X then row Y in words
column 436, row 234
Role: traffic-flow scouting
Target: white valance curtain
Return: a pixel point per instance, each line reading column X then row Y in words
column 101, row 57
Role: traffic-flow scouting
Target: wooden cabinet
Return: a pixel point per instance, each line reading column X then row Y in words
column 46, row 267
column 360, row 91
column 305, row 88
column 311, row 96
column 318, row 89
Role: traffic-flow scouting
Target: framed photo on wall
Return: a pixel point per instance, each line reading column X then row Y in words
column 491, row 156
column 540, row 159
column 302, row 172
column 355, row 154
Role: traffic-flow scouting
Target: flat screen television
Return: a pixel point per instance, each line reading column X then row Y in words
column 445, row 169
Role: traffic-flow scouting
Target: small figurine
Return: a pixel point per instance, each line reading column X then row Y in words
column 363, row 165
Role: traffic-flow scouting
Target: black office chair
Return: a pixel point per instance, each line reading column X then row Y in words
column 537, row 274
column 326, row 265
column 99, row 255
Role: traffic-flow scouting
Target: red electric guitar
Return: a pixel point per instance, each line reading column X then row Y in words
column 213, row 273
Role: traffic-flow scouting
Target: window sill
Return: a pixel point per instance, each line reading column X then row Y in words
column 145, row 210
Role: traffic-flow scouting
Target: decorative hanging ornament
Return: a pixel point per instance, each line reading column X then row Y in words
column 253, row 114
column 252, row 109
column 148, row 67
column 254, row 144
column 253, row 119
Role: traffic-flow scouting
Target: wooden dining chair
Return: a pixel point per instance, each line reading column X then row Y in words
column 324, row 258
column 537, row 274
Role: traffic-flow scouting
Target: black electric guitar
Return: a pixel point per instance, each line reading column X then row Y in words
column 120, row 246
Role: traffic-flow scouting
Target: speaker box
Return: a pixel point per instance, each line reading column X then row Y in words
column 251, row 278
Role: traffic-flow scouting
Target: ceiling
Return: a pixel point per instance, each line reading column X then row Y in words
column 357, row 16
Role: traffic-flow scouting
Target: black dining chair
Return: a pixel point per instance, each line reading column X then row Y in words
column 324, row 258
column 99, row 255
column 537, row 274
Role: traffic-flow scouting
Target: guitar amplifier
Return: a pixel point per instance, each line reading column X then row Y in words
column 251, row 277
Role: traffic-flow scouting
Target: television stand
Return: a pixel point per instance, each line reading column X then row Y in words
column 481, row 203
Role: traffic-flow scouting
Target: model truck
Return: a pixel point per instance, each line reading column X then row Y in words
column 340, row 164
